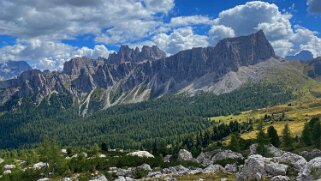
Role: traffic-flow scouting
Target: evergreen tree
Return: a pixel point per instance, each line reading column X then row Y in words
column 287, row 137
column 306, row 135
column 95, row 150
column 316, row 133
column 235, row 142
column 261, row 139
column 103, row 147
column 51, row 154
column 274, row 137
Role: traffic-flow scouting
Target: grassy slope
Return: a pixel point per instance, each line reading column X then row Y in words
column 306, row 105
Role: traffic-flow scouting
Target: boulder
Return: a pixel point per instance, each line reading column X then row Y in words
column 124, row 172
column 156, row 174
column 99, row 178
column 6, row 172
column 280, row 178
column 254, row 168
column 205, row 158
column 273, row 151
column 293, row 159
column 64, row 151
column 213, row 168
column 102, row 156
column 311, row 171
column 142, row 154
column 311, row 154
column 43, row 179
column 184, row 155
column 145, row 167
column 232, row 168
column 275, row 169
column 66, row 179
column 226, row 154
column 195, row 171
column 40, row 165
column 9, row 167
column 1, row 160
column 167, row 158
column 176, row 170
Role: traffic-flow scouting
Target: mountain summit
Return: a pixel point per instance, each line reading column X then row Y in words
column 12, row 69
column 126, row 54
column 131, row 76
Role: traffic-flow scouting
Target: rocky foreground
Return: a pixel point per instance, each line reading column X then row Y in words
column 279, row 166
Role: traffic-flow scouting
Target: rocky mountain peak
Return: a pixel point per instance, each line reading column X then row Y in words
column 126, row 54
column 245, row 50
column 304, row 55
column 12, row 69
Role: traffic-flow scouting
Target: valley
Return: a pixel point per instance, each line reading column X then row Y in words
column 120, row 118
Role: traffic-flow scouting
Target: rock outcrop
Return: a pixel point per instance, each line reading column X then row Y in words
column 144, row 154
column 227, row 154
column 184, row 155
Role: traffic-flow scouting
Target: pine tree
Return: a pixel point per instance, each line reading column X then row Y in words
column 261, row 139
column 103, row 147
column 274, row 137
column 287, row 138
column 306, row 135
column 316, row 134
column 235, row 142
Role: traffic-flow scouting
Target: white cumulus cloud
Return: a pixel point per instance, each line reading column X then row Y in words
column 180, row 39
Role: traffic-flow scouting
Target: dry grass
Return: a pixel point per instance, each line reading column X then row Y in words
column 296, row 128
column 298, row 112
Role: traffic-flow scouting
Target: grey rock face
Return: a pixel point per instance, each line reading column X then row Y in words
column 311, row 171
column 280, row 178
column 291, row 159
column 254, row 168
column 205, row 158
column 232, row 168
column 145, row 167
column 127, row 54
column 276, row 169
column 226, row 154
column 213, row 168
column 185, row 155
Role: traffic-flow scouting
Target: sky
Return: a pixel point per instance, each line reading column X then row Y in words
column 48, row 33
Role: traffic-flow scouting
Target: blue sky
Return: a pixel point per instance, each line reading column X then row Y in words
column 48, row 33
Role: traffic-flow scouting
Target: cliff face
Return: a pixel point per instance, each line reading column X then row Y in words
column 133, row 75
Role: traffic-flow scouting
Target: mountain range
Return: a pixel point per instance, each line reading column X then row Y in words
column 139, row 95
column 131, row 76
